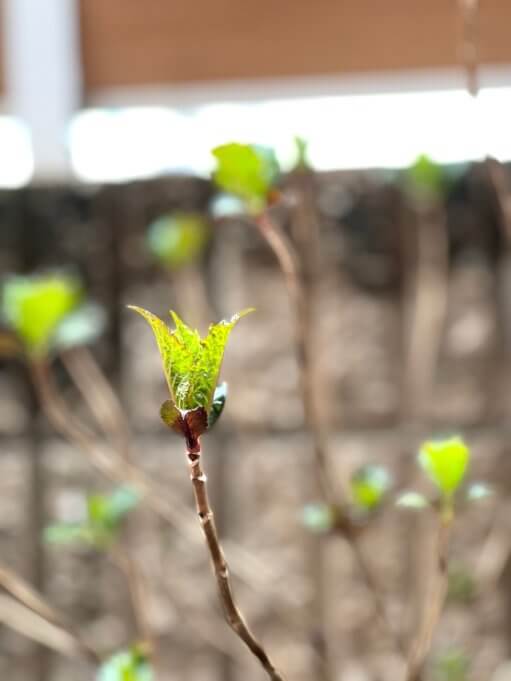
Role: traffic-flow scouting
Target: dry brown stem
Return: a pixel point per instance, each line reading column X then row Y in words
column 32, row 616
column 247, row 567
column 434, row 602
column 231, row 610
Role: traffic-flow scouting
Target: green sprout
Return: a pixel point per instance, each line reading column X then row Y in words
column 127, row 665
column 445, row 462
column 247, row 171
column 461, row 584
column 318, row 518
column 46, row 311
column 452, row 665
column 368, row 487
column 191, row 365
column 105, row 515
column 302, row 156
column 178, row 239
column 412, row 500
column 425, row 179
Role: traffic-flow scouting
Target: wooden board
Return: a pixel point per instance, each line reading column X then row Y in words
column 130, row 42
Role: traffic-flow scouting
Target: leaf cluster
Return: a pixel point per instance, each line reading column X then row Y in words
column 105, row 514
column 250, row 172
column 178, row 239
column 47, row 311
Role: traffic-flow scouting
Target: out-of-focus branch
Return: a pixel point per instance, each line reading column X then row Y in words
column 248, row 568
column 32, row 616
column 434, row 602
column 426, row 297
column 99, row 396
column 138, row 594
column 300, row 274
column 289, row 263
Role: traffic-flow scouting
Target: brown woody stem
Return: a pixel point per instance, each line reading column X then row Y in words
column 434, row 602
column 232, row 613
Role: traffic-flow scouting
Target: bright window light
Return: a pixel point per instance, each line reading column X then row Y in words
column 16, row 160
column 344, row 132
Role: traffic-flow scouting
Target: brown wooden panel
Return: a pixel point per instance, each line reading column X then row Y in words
column 131, row 42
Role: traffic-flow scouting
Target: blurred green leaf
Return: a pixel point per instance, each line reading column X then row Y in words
column 191, row 365
column 247, row 171
column 412, row 500
column 226, row 205
column 425, row 179
column 318, row 518
column 121, row 502
column 178, row 239
column 68, row 533
column 478, row 491
column 445, row 462
column 81, row 327
column 461, row 584
column 105, row 512
column 369, row 486
column 128, row 665
column 218, row 404
column 35, row 305
column 452, row 665
column 301, row 147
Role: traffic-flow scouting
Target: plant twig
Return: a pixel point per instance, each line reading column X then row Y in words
column 252, row 571
column 137, row 589
column 300, row 283
column 231, row 610
column 427, row 304
column 289, row 263
column 57, row 634
column 434, row 601
column 372, row 585
column 99, row 396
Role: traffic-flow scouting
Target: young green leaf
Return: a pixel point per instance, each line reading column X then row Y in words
column 445, row 462
column 218, row 404
column 461, row 584
column 247, row 171
column 318, row 518
column 191, row 364
column 412, row 500
column 80, row 327
column 369, row 486
column 128, row 665
column 34, row 306
column 478, row 491
column 302, row 159
column 452, row 665
column 178, row 239
column 68, row 533
column 425, row 179
column 106, row 512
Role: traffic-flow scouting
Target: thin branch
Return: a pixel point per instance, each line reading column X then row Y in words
column 99, row 397
column 372, row 585
column 231, row 610
column 434, row 601
column 138, row 595
column 427, row 292
column 288, row 260
column 57, row 629
column 114, row 468
column 299, row 284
